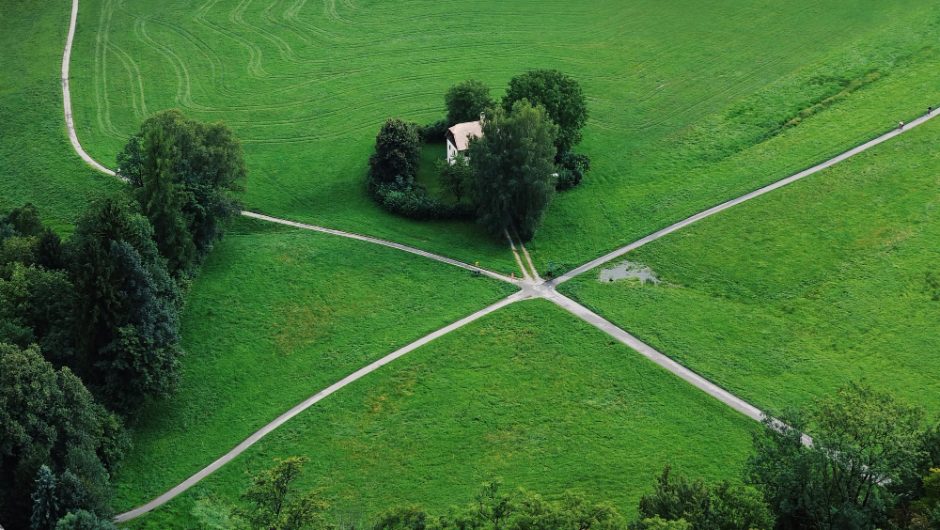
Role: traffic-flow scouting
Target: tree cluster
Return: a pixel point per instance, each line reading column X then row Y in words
column 512, row 172
column 89, row 326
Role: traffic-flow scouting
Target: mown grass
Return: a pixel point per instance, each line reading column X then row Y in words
column 691, row 103
column 789, row 296
column 275, row 316
column 37, row 163
column 530, row 395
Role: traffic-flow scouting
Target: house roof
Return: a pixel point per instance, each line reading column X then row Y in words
column 464, row 131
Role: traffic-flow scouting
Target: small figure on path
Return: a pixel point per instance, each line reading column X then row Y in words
column 929, row 110
column 900, row 125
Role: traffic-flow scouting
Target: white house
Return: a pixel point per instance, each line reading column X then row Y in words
column 459, row 136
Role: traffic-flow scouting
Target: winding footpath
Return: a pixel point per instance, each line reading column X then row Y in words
column 530, row 287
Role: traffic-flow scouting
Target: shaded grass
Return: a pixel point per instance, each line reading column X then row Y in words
column 529, row 394
column 37, row 163
column 275, row 316
column 789, row 296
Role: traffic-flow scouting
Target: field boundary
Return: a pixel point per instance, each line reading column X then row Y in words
column 531, row 286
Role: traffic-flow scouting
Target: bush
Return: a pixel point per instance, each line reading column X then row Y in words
column 397, row 151
column 571, row 169
column 414, row 202
column 456, row 177
column 433, row 133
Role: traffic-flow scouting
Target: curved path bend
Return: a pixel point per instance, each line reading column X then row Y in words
column 530, row 287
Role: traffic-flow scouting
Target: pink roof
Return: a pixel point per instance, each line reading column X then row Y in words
column 464, row 131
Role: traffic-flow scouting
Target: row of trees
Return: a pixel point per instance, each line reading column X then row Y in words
column 873, row 464
column 512, row 172
column 89, row 326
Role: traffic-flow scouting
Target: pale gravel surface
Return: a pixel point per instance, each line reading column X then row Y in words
column 529, row 288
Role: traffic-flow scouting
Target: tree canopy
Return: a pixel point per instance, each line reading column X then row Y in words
column 48, row 417
column 512, row 169
column 186, row 174
column 466, row 101
column 397, row 151
column 561, row 97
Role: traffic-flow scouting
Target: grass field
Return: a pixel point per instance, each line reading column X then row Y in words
column 790, row 296
column 37, row 163
column 687, row 100
column 530, row 395
column 276, row 315
column 780, row 300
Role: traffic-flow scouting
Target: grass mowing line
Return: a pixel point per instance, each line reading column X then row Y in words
column 309, row 402
column 746, row 197
column 384, row 243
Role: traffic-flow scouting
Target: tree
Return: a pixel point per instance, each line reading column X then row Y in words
column 160, row 201
column 127, row 321
column 207, row 167
column 703, row 507
column 274, row 504
column 37, row 305
column 863, row 441
column 25, row 220
column 397, row 151
column 466, row 101
column 45, row 500
column 658, row 523
column 456, row 177
column 48, row 417
column 84, row 520
column 561, row 97
column 512, row 169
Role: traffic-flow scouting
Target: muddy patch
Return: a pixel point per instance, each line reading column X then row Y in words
column 629, row 270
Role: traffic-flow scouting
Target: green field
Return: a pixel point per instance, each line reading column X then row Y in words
column 275, row 316
column 37, row 163
column 687, row 99
column 779, row 300
column 530, row 395
column 790, row 296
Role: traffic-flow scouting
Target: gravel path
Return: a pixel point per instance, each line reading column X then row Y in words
column 734, row 202
column 530, row 287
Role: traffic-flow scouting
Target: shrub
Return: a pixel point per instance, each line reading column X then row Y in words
column 415, row 203
column 433, row 133
column 571, row 169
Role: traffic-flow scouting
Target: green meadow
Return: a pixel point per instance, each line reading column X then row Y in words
column 37, row 163
column 780, row 300
column 275, row 316
column 835, row 278
column 530, row 395
column 691, row 103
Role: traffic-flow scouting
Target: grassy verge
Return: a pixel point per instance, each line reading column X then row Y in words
column 276, row 315
column 529, row 394
column 793, row 294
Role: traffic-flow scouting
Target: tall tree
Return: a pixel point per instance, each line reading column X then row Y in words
column 160, row 201
column 207, row 167
column 466, row 101
column 560, row 95
column 47, row 417
column 38, row 306
column 127, row 322
column 863, row 441
column 397, row 150
column 512, row 169
column 45, row 500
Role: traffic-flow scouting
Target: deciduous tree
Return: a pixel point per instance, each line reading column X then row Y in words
column 561, row 97
column 466, row 101
column 512, row 169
